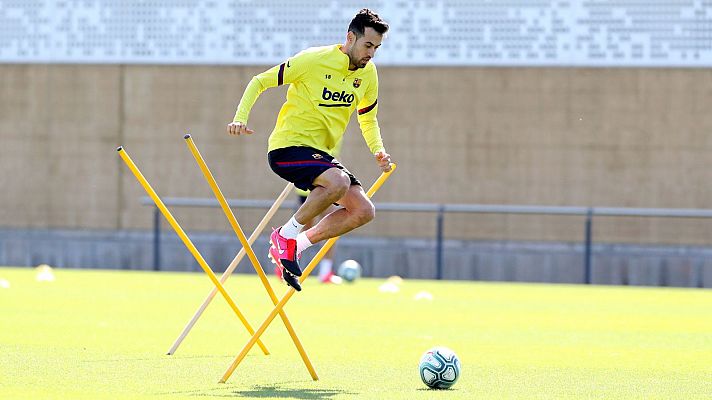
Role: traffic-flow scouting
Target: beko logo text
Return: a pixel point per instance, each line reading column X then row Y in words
column 337, row 96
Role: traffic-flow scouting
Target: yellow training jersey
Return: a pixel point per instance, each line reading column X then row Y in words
column 322, row 95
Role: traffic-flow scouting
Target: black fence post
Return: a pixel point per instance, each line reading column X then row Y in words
column 439, row 243
column 156, row 239
column 589, row 239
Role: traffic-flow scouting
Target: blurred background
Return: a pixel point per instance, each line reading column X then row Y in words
column 594, row 115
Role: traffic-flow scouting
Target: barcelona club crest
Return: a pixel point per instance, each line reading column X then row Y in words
column 357, row 82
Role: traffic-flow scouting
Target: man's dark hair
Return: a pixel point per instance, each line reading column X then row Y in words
column 367, row 19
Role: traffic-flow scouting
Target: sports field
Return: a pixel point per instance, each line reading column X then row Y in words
column 104, row 334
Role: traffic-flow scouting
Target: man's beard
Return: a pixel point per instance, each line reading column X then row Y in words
column 357, row 63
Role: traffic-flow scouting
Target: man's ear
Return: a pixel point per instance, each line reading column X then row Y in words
column 350, row 38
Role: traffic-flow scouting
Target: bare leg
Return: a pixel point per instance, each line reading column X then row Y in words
column 331, row 186
column 326, row 265
column 358, row 210
column 329, row 254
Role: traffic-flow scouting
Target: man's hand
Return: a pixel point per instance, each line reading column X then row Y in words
column 384, row 161
column 238, row 128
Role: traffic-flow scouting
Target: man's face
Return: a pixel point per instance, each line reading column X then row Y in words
column 364, row 47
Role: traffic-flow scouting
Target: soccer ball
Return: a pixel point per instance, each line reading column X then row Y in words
column 349, row 270
column 439, row 368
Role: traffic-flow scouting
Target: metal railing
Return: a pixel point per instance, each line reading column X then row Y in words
column 440, row 210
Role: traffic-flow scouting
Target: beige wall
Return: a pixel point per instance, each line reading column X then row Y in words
column 548, row 136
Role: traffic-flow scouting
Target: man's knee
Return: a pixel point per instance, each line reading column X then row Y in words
column 365, row 213
column 337, row 183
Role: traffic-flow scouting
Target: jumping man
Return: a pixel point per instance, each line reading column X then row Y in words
column 326, row 273
column 326, row 85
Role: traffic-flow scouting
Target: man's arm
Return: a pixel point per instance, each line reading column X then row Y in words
column 288, row 72
column 367, row 111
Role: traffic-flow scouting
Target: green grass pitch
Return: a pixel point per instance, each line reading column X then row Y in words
column 104, row 334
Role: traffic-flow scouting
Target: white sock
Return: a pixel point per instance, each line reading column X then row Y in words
column 291, row 229
column 325, row 267
column 303, row 242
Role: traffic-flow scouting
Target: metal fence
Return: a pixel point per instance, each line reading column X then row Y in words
column 440, row 210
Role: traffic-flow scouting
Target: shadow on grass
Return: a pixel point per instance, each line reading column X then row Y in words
column 270, row 391
column 276, row 391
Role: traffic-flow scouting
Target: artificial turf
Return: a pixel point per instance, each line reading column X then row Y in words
column 104, row 334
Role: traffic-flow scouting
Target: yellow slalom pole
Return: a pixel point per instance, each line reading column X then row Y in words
column 186, row 241
column 329, row 243
column 250, row 253
column 233, row 265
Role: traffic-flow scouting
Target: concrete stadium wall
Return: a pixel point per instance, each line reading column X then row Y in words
column 410, row 258
column 548, row 136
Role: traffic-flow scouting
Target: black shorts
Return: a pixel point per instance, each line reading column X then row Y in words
column 302, row 165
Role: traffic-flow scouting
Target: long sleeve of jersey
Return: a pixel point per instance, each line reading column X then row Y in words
column 287, row 72
column 367, row 111
column 322, row 96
